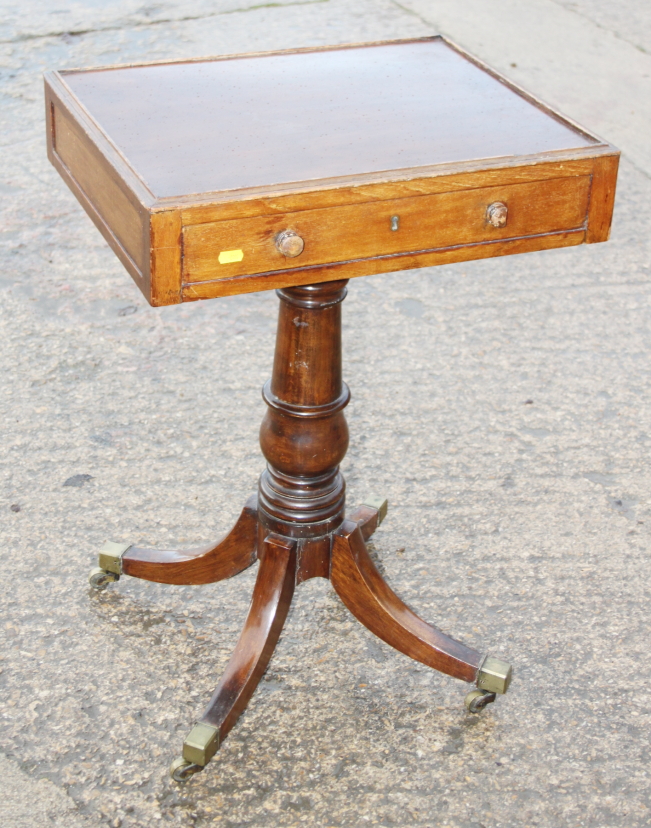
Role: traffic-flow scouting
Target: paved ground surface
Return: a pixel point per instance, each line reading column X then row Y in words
column 504, row 407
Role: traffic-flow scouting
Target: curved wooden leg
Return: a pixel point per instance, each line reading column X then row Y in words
column 204, row 565
column 370, row 515
column 272, row 597
column 363, row 590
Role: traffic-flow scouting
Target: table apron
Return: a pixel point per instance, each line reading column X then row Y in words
column 247, row 246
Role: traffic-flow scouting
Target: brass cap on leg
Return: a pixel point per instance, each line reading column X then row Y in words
column 201, row 744
column 379, row 503
column 110, row 556
column 494, row 675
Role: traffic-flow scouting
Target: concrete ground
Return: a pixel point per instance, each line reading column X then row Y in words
column 504, row 407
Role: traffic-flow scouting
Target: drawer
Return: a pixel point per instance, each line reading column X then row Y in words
column 240, row 247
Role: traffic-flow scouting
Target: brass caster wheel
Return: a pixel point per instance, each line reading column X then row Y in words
column 181, row 770
column 477, row 700
column 99, row 578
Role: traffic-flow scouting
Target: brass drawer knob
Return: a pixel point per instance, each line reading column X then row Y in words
column 497, row 214
column 290, row 244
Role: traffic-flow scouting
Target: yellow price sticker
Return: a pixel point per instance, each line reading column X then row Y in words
column 228, row 256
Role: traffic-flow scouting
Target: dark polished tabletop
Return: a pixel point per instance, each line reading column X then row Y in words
column 214, row 125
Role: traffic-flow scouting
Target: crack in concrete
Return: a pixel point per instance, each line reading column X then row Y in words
column 145, row 25
column 601, row 26
column 415, row 14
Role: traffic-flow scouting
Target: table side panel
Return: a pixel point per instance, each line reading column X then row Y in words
column 364, row 231
column 602, row 198
column 78, row 151
column 166, row 258
column 91, row 173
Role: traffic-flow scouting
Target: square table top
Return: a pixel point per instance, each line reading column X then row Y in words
column 239, row 173
column 252, row 121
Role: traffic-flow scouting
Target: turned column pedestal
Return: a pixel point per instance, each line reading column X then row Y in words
column 297, row 528
column 304, row 434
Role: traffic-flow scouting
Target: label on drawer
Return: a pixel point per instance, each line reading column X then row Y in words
column 230, row 256
column 383, row 228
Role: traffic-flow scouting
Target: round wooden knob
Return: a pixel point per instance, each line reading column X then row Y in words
column 290, row 244
column 497, row 214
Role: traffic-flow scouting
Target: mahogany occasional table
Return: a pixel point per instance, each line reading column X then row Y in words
column 298, row 170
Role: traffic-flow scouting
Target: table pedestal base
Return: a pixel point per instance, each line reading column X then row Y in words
column 297, row 529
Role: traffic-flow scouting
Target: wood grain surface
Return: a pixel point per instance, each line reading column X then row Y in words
column 204, row 565
column 366, row 517
column 220, row 125
column 272, row 596
column 602, row 198
column 93, row 175
column 92, row 167
column 165, row 250
column 360, row 189
column 304, row 435
column 363, row 590
column 364, row 231
column 385, row 264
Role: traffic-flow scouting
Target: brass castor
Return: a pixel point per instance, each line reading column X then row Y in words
column 477, row 700
column 99, row 578
column 181, row 770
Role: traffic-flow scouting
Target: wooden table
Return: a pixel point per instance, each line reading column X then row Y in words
column 299, row 170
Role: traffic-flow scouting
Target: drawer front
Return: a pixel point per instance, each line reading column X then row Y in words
column 240, row 247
